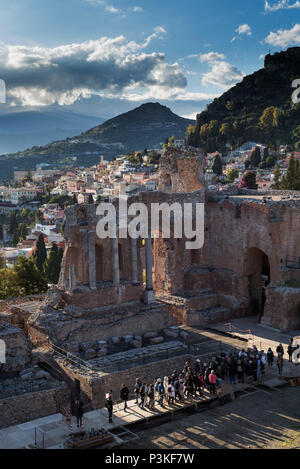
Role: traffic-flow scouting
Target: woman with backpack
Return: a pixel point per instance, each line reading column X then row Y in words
column 151, row 397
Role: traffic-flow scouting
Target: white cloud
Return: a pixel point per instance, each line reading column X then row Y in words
column 162, row 93
column 281, row 5
column 112, row 9
column 244, row 29
column 211, row 57
column 222, row 74
column 39, row 76
column 284, row 37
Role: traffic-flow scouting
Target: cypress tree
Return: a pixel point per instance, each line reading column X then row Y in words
column 52, row 264
column 276, row 173
column 40, row 253
column 217, row 166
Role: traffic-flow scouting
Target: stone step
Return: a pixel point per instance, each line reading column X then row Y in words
column 208, row 315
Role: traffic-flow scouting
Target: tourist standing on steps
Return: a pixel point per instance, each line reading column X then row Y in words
column 212, row 382
column 142, row 392
column 137, row 386
column 78, row 408
column 171, row 394
column 290, row 350
column 124, row 393
column 161, row 393
column 270, row 357
column 280, row 350
column 258, row 368
column 109, row 406
column 151, row 397
column 280, row 364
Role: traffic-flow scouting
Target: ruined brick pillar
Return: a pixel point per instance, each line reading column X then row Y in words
column 92, row 259
column 134, row 264
column 115, row 259
column 72, row 278
column 149, row 293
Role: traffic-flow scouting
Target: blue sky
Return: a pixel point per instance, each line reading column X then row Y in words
column 103, row 57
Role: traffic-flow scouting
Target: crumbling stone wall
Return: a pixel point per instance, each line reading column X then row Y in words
column 31, row 406
column 282, row 308
column 181, row 170
column 18, row 349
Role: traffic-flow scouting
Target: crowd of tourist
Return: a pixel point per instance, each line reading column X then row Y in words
column 193, row 379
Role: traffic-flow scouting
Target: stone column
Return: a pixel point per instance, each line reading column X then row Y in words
column 149, row 293
column 92, row 259
column 115, row 261
column 134, row 263
column 72, row 278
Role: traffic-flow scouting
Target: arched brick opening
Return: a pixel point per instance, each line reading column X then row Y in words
column 257, row 270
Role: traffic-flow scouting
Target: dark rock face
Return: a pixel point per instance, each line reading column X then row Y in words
column 242, row 106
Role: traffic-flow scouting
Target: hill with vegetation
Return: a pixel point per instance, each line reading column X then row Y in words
column 147, row 126
column 260, row 108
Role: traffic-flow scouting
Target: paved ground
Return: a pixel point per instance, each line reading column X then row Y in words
column 261, row 336
column 266, row 420
column 52, row 431
column 262, row 418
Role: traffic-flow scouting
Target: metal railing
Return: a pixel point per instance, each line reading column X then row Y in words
column 70, row 357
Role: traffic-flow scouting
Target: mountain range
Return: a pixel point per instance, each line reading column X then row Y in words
column 144, row 127
column 25, row 129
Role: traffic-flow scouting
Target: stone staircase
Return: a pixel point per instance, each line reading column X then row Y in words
column 196, row 309
column 210, row 315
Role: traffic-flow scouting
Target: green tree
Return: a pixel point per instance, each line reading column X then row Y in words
column 266, row 153
column 90, row 200
column 40, row 253
column 217, row 166
column 255, row 157
column 190, row 130
column 249, row 180
column 2, row 262
column 13, row 223
column 276, row 173
column 229, row 106
column 52, row 264
column 225, row 129
column 29, row 279
column 232, row 175
column 269, row 118
column 171, row 141
column 213, row 128
column 289, row 180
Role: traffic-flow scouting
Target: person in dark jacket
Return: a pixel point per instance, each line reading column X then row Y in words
column 142, row 392
column 78, row 408
column 270, row 357
column 124, row 393
column 109, row 406
column 280, row 350
column 290, row 351
column 137, row 386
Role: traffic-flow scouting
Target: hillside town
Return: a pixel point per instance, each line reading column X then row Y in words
column 149, row 228
column 46, row 192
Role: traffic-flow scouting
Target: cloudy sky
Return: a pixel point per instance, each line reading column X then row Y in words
column 103, row 57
